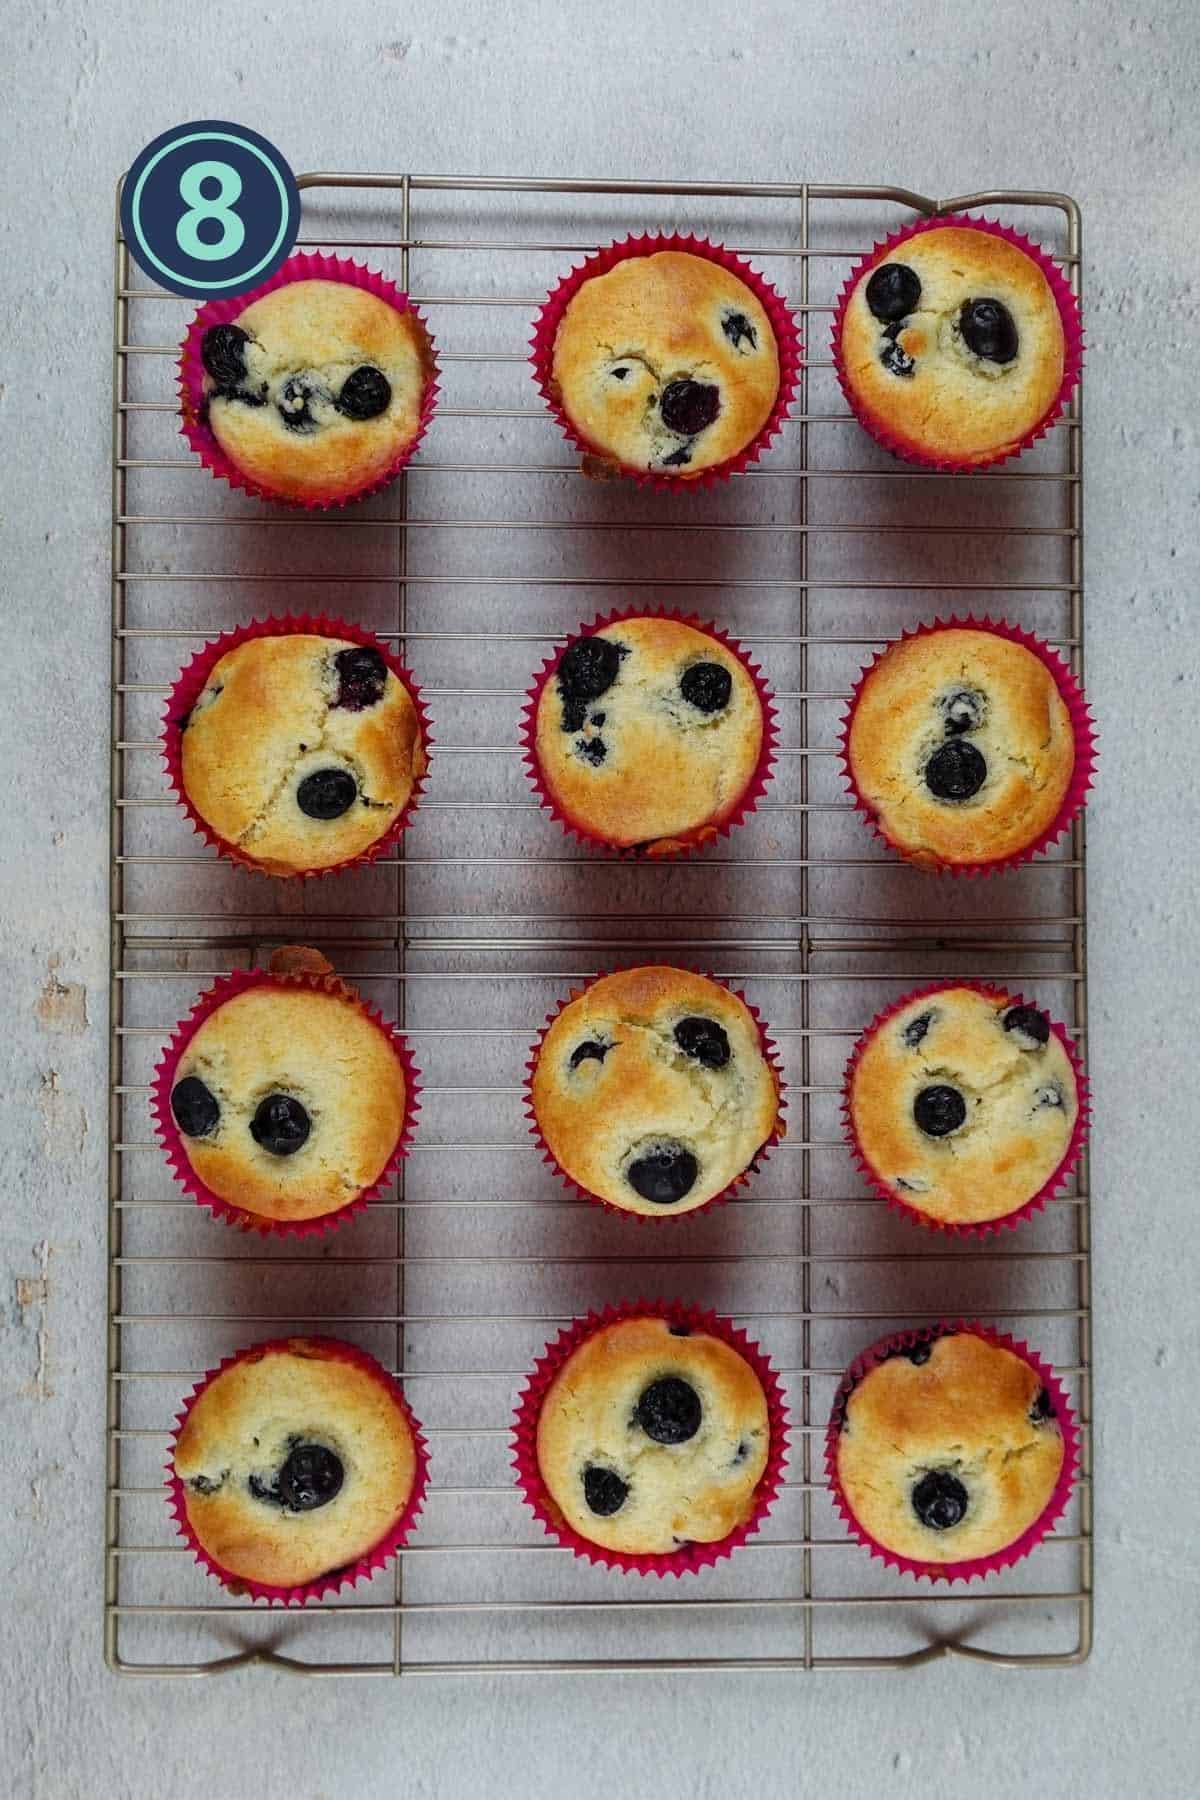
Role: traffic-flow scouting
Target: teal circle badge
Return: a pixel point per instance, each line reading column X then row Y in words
column 210, row 209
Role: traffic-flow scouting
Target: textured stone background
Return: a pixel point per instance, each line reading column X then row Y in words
column 946, row 96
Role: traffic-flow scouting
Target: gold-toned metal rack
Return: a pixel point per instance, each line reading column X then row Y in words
column 489, row 547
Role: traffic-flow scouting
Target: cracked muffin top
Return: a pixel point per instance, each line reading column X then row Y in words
column 667, row 362
column 301, row 751
column 652, row 1091
column 962, row 746
column 964, row 1104
column 953, row 340
column 315, row 390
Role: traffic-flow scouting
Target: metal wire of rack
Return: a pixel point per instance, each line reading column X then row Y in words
column 489, row 547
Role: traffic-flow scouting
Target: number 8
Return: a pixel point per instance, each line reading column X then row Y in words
column 233, row 232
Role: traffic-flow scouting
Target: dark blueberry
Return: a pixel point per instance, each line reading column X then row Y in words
column 939, row 1500
column 593, row 750
column 1029, row 1022
column 589, row 1051
column 737, row 328
column 327, row 793
column 680, row 1330
column 598, row 718
column 195, row 1108
column 212, row 1484
column 1050, row 1095
column 963, row 711
column 665, row 1175
column 956, row 770
column 585, row 671
column 895, row 359
column 742, row 1452
column 939, row 1110
column 669, row 1410
column 919, row 1354
column 914, row 1031
column 603, row 1490
column 293, row 401
column 366, row 392
column 678, row 457
column 244, row 395
column 989, row 330
column 893, row 291
column 688, row 406
column 1042, row 1408
column 620, row 374
column 222, row 353
column 310, row 1477
column 362, row 677
column 280, row 1125
column 704, row 1040
column 707, row 686
column 265, row 1490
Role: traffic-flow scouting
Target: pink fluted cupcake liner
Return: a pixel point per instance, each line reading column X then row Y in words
column 379, row 1555
column 1054, row 1183
column 771, row 1054
column 1068, row 310
column 684, row 843
column 189, row 685
column 1082, row 725
column 971, row 1568
column 689, row 1558
column 783, row 323
column 193, row 406
column 225, row 988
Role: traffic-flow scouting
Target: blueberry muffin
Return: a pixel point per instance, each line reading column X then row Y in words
column 961, row 746
column 296, row 1460
column 653, row 1435
column 652, row 1091
column 948, row 1450
column 648, row 734
column 315, row 390
column 301, row 751
column 289, row 1100
column 963, row 1104
column 667, row 363
column 952, row 343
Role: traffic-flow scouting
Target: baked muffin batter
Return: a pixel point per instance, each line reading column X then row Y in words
column 953, row 341
column 294, row 1463
column 964, row 1103
column 961, row 744
column 949, row 1451
column 653, row 1435
column 648, row 733
column 652, row 1091
column 301, row 750
column 667, row 362
column 315, row 390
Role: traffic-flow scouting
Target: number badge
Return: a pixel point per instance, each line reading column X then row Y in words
column 210, row 209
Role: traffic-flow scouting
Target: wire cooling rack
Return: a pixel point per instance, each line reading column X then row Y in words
column 489, row 547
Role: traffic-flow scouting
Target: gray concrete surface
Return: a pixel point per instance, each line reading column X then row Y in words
column 1097, row 100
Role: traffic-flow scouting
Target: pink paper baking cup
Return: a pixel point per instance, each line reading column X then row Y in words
column 189, row 685
column 1054, row 1183
column 193, row 407
column 685, row 842
column 971, row 1568
column 377, row 1557
column 1068, row 311
column 1082, row 724
column 690, row 1558
column 770, row 1052
column 226, row 987
column 783, row 323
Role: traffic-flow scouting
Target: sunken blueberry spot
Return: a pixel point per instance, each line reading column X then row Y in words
column 327, row 793
column 689, row 406
column 680, row 1330
column 311, row 1477
column 664, row 1175
column 604, row 1490
column 707, row 686
column 293, row 401
column 742, row 1452
column 704, row 1040
column 956, row 770
column 362, row 677
column 620, row 373
column 222, row 351
column 739, row 330
column 919, row 1354
column 939, row 1500
column 893, row 291
column 1027, row 1022
column 212, row 1484
column 894, row 357
column 590, row 1050
column 678, row 457
column 939, row 1110
column 366, row 392
column 963, row 711
column 598, row 718
column 195, row 1108
column 1042, row 1408
column 585, row 671
column 669, row 1410
column 988, row 328
column 1050, row 1095
column 593, row 750
column 914, row 1032
column 280, row 1125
